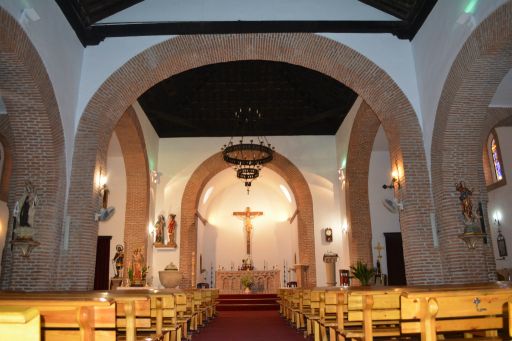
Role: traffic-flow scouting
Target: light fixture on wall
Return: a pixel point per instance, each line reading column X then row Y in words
column 395, row 179
column 500, row 239
column 342, row 177
column 247, row 158
column 155, row 176
column 105, row 212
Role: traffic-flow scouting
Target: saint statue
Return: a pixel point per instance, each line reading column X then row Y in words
column 171, row 229
column 137, row 267
column 118, row 261
column 159, row 230
column 27, row 206
column 466, row 204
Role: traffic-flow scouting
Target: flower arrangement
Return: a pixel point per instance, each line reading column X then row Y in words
column 362, row 272
column 247, row 281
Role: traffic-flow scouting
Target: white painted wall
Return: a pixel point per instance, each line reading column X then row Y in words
column 61, row 53
column 315, row 156
column 116, row 182
column 436, row 46
column 499, row 199
column 503, row 96
column 382, row 220
column 342, row 140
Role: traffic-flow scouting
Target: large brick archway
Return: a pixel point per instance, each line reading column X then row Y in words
column 414, row 224
column 37, row 147
column 212, row 166
column 133, row 147
column 461, row 119
column 182, row 53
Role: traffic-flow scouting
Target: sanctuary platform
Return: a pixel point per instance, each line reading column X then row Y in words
column 247, row 302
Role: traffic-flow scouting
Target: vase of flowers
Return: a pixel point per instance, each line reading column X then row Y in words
column 247, row 282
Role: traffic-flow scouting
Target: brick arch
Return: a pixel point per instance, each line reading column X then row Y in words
column 414, row 236
column 37, row 146
column 182, row 53
column 215, row 164
column 133, row 147
column 461, row 116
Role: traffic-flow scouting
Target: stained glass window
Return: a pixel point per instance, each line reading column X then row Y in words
column 498, row 169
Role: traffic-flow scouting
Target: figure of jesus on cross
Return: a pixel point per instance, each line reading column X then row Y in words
column 247, row 215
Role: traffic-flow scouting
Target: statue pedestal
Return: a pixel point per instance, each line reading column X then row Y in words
column 301, row 272
column 115, row 283
column 330, row 260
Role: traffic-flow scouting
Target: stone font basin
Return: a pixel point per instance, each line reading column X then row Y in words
column 170, row 278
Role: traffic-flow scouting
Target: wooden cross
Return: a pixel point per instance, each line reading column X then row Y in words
column 247, row 215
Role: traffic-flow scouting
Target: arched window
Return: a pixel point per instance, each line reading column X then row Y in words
column 495, row 160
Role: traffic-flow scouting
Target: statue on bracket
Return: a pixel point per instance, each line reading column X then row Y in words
column 23, row 221
column 159, row 231
column 171, row 229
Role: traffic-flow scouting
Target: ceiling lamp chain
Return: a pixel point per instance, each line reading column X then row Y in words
column 247, row 159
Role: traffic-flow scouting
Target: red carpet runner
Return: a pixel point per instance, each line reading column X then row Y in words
column 248, row 326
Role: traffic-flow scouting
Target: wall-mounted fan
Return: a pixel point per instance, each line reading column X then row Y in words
column 104, row 214
column 392, row 205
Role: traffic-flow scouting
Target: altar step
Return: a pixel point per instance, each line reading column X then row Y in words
column 247, row 302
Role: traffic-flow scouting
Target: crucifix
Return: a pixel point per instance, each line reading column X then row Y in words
column 379, row 248
column 247, row 215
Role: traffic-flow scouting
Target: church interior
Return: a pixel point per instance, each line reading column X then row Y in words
column 170, row 151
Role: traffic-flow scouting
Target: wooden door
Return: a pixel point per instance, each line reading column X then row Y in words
column 101, row 276
column 395, row 258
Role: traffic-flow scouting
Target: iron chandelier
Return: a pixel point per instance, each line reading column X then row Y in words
column 247, row 158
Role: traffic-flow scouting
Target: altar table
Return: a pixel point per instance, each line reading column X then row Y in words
column 265, row 282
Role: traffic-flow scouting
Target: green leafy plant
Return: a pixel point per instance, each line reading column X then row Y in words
column 144, row 272
column 247, row 281
column 130, row 274
column 362, row 272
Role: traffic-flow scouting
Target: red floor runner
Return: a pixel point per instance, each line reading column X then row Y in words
column 248, row 326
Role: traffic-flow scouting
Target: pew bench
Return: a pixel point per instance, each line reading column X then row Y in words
column 474, row 312
column 20, row 323
column 69, row 316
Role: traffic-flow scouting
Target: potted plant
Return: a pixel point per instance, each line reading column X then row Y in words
column 247, row 282
column 362, row 272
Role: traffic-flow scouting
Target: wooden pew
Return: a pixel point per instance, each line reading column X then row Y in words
column 467, row 310
column 150, row 312
column 378, row 309
column 20, row 323
column 69, row 316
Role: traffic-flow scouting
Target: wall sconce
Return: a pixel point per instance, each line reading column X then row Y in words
column 344, row 227
column 500, row 239
column 497, row 218
column 155, row 177
column 395, row 179
column 342, row 177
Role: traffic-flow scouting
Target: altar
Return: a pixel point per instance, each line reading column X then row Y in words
column 265, row 282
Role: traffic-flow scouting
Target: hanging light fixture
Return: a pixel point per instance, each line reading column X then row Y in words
column 247, row 158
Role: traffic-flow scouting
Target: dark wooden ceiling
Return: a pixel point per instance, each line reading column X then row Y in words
column 291, row 99
column 83, row 15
